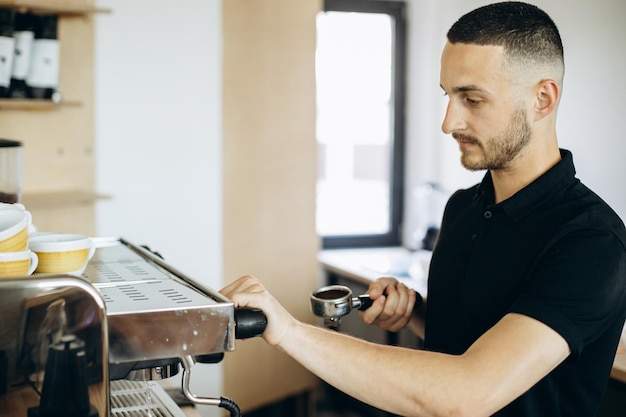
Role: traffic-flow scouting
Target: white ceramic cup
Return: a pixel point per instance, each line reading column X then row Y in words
column 12, row 206
column 17, row 264
column 14, row 228
column 62, row 252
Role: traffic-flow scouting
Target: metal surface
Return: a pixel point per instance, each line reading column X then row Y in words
column 36, row 312
column 335, row 301
column 153, row 310
column 153, row 373
column 130, row 308
column 331, row 301
column 141, row 399
column 187, row 363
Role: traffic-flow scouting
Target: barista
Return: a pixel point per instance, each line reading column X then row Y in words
column 527, row 289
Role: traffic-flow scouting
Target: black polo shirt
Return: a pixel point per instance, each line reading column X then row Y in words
column 555, row 252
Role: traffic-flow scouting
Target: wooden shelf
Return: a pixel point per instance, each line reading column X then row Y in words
column 67, row 7
column 35, row 104
column 59, row 133
column 60, row 198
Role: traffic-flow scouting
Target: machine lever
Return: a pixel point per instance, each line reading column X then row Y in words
column 249, row 322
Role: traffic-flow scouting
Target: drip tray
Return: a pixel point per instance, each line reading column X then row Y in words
column 141, row 399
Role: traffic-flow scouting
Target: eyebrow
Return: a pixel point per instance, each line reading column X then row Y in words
column 466, row 88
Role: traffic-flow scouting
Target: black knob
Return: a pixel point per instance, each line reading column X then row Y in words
column 249, row 322
column 210, row 358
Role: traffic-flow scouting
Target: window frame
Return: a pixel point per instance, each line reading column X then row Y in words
column 397, row 10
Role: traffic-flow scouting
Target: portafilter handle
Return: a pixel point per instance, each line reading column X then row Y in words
column 249, row 322
column 362, row 302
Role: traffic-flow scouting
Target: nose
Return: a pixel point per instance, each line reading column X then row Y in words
column 453, row 120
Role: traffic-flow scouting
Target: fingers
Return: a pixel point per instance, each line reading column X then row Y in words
column 248, row 291
column 393, row 304
column 243, row 285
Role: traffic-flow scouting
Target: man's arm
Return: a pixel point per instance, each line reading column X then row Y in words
column 500, row 366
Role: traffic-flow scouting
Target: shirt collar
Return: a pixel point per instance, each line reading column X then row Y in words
column 525, row 200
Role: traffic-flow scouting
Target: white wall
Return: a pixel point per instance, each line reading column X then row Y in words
column 592, row 106
column 158, row 128
column 158, row 135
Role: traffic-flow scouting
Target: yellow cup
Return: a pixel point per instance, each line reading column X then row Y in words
column 14, row 224
column 62, row 253
column 17, row 264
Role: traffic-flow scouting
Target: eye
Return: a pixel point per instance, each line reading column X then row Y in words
column 471, row 101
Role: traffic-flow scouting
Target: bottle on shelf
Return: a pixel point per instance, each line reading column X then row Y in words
column 7, row 47
column 24, row 34
column 43, row 75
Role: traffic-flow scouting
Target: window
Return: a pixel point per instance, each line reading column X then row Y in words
column 360, row 65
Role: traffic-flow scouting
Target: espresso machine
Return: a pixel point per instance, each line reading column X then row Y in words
column 95, row 345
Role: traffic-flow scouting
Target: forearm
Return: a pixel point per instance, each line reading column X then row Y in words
column 402, row 381
column 412, row 382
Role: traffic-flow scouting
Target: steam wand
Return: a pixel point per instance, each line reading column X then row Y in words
column 223, row 402
column 249, row 322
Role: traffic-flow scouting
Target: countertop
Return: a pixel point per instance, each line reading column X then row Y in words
column 366, row 265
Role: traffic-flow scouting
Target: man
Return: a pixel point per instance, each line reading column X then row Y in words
column 527, row 286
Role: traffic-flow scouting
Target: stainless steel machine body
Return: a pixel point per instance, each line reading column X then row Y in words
column 155, row 311
column 34, row 314
column 131, row 309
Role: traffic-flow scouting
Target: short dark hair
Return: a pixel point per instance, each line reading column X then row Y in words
column 525, row 32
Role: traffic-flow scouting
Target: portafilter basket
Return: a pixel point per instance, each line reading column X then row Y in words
column 335, row 301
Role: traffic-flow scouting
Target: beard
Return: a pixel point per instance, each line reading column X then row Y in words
column 499, row 150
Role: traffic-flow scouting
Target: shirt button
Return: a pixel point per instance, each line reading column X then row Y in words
column 487, row 214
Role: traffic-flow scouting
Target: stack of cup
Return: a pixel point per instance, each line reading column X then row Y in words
column 16, row 259
column 23, row 252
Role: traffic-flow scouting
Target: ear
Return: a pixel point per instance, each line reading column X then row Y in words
column 546, row 98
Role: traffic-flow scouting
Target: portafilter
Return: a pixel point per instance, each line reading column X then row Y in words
column 335, row 301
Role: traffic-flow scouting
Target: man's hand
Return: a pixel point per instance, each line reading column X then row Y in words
column 248, row 291
column 393, row 304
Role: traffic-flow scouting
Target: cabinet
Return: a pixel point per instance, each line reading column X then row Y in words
column 269, row 174
column 58, row 138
